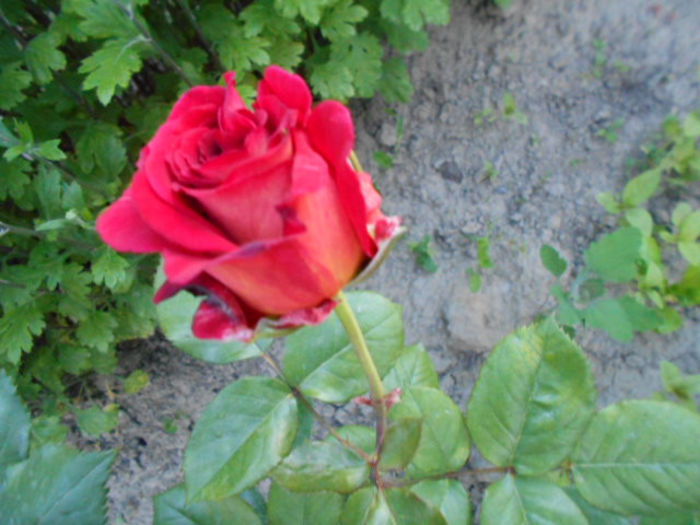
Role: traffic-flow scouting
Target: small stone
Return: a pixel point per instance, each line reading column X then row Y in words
column 450, row 170
column 387, row 135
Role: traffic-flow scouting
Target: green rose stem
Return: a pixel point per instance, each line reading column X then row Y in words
column 376, row 387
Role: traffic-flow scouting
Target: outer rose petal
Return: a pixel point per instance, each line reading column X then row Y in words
column 197, row 96
column 179, row 225
column 289, row 88
column 276, row 277
column 332, row 134
column 231, row 104
column 331, row 131
column 315, row 204
column 211, row 322
column 123, row 229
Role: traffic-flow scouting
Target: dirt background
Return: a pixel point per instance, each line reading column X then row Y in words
column 549, row 172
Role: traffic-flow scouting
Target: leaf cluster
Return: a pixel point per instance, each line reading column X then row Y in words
column 653, row 255
column 533, row 414
column 41, row 479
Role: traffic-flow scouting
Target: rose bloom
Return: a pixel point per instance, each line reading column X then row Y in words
column 259, row 210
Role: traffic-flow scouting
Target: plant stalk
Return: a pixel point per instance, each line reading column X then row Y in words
column 376, row 387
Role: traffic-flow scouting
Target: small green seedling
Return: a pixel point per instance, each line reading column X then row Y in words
column 424, row 254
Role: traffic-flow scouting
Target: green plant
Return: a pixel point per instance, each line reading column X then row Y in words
column 511, row 111
column 41, row 479
column 638, row 252
column 609, row 132
column 83, row 85
column 424, row 254
column 532, row 414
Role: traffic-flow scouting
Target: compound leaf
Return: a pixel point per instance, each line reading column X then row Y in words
column 534, row 397
column 640, row 457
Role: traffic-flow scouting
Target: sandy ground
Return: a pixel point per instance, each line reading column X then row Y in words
column 549, row 172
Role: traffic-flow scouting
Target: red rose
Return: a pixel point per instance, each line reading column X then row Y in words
column 259, row 209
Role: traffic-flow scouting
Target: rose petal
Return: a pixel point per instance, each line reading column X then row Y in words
column 176, row 222
column 291, row 90
column 197, row 96
column 232, row 103
column 331, row 131
column 276, row 277
column 246, row 210
column 332, row 134
column 211, row 322
column 235, row 165
column 122, row 227
column 315, row 202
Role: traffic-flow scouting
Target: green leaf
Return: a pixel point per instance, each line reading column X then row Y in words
column 14, row 179
column 47, row 429
column 416, row 13
column 614, row 256
column 534, row 397
column 94, row 421
column 400, row 443
column 42, row 56
column 285, row 53
column 444, row 441
column 522, row 501
column 551, row 260
column 104, row 18
column 14, row 424
column 395, row 83
column 321, row 361
column 402, row 38
column 640, row 219
column 680, row 384
column 303, row 508
column 368, row 506
column 685, row 518
column 641, row 188
column 363, row 437
column 413, row 368
column 47, row 185
column 236, row 50
column 483, row 246
column 97, row 331
column 261, row 16
column 608, row 201
column 476, row 281
column 362, row 56
column 243, row 434
column 640, row 457
column 310, row 10
column 595, row 515
column 18, row 327
column 175, row 319
column 680, row 212
column 424, row 254
column 136, row 381
column 13, row 80
column 109, row 268
column 448, row 497
column 689, row 227
column 57, row 485
column 112, row 66
column 100, row 151
column 383, row 159
column 171, row 508
column 339, row 20
column 621, row 317
column 322, row 465
column 332, row 80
